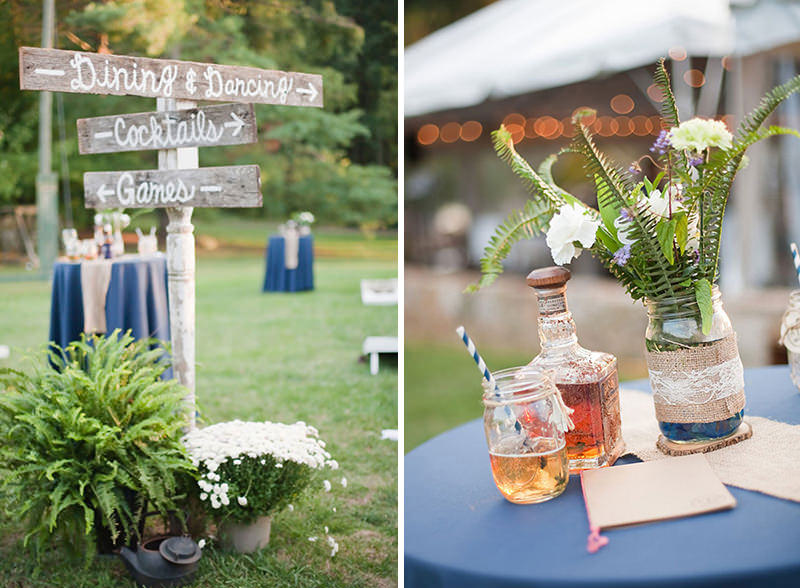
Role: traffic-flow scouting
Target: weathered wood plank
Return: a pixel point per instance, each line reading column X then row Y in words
column 225, row 124
column 237, row 186
column 94, row 73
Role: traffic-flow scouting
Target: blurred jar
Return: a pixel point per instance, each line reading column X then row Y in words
column 790, row 335
column 525, row 420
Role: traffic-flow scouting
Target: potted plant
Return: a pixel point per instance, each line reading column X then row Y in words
column 250, row 470
column 89, row 435
column 660, row 237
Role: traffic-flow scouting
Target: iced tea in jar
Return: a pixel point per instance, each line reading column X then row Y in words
column 525, row 420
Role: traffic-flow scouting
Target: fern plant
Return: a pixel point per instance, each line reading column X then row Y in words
column 660, row 238
column 89, row 435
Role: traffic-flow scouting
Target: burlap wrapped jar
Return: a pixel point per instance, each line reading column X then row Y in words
column 697, row 378
column 790, row 335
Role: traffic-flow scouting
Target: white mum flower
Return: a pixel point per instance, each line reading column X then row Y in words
column 698, row 134
column 571, row 223
column 327, row 485
column 659, row 203
column 242, row 500
column 203, row 496
column 344, row 482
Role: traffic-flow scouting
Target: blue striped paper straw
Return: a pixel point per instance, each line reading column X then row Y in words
column 476, row 356
column 796, row 259
column 462, row 333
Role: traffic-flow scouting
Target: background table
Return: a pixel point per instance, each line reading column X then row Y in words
column 459, row 531
column 280, row 279
column 136, row 299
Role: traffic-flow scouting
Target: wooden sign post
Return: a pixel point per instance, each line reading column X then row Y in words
column 176, row 130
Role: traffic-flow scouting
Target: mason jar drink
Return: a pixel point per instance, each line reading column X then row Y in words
column 524, row 420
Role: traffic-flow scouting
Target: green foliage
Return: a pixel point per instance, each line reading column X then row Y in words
column 520, row 224
column 301, row 151
column 269, row 489
column 665, row 261
column 89, row 435
column 702, row 293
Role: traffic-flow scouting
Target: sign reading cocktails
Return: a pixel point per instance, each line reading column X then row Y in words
column 94, row 73
column 227, row 124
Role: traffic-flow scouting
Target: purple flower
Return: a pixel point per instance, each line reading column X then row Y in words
column 635, row 168
column 622, row 255
column 695, row 161
column 695, row 257
column 661, row 144
column 625, row 215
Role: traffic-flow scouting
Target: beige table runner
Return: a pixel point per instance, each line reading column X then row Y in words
column 291, row 248
column 767, row 462
column 95, row 278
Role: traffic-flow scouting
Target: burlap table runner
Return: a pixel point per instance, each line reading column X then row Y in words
column 291, row 248
column 95, row 278
column 697, row 384
column 767, row 462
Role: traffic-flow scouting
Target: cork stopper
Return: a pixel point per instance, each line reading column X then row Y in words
column 548, row 277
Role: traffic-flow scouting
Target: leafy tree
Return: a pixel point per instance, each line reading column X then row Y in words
column 303, row 152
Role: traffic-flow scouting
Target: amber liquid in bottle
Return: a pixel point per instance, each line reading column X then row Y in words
column 587, row 379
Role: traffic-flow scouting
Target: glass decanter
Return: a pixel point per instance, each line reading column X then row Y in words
column 587, row 379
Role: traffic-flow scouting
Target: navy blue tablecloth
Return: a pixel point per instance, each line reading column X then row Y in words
column 460, row 533
column 136, row 299
column 280, row 279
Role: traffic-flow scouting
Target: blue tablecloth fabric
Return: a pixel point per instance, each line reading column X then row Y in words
column 460, row 533
column 280, row 279
column 136, row 300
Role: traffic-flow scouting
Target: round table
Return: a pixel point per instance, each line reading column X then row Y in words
column 280, row 279
column 136, row 299
column 460, row 533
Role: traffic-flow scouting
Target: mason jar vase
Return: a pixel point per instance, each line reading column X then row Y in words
column 697, row 378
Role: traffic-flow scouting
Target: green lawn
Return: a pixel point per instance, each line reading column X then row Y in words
column 282, row 357
column 443, row 387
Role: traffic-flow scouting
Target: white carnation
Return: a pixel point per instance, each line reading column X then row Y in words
column 698, row 134
column 572, row 223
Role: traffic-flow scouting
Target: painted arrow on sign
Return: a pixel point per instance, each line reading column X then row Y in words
column 225, row 124
column 57, row 70
column 236, row 186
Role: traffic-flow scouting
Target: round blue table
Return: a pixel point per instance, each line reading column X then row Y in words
column 136, row 299
column 280, row 279
column 460, row 533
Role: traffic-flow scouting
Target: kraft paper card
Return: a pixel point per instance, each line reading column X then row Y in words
column 653, row 491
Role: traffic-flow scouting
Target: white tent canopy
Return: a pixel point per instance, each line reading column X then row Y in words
column 517, row 46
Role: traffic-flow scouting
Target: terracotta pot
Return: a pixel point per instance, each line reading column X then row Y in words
column 246, row 537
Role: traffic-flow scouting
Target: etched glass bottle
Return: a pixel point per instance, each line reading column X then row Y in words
column 587, row 379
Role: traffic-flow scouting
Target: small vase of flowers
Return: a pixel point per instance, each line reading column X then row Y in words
column 249, row 471
column 660, row 238
column 304, row 220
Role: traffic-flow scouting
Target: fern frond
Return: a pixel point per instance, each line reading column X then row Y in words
column 543, row 193
column 668, row 108
column 769, row 102
column 520, row 224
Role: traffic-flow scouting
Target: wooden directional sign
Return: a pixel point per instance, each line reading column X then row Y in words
column 95, row 73
column 237, row 186
column 226, row 124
